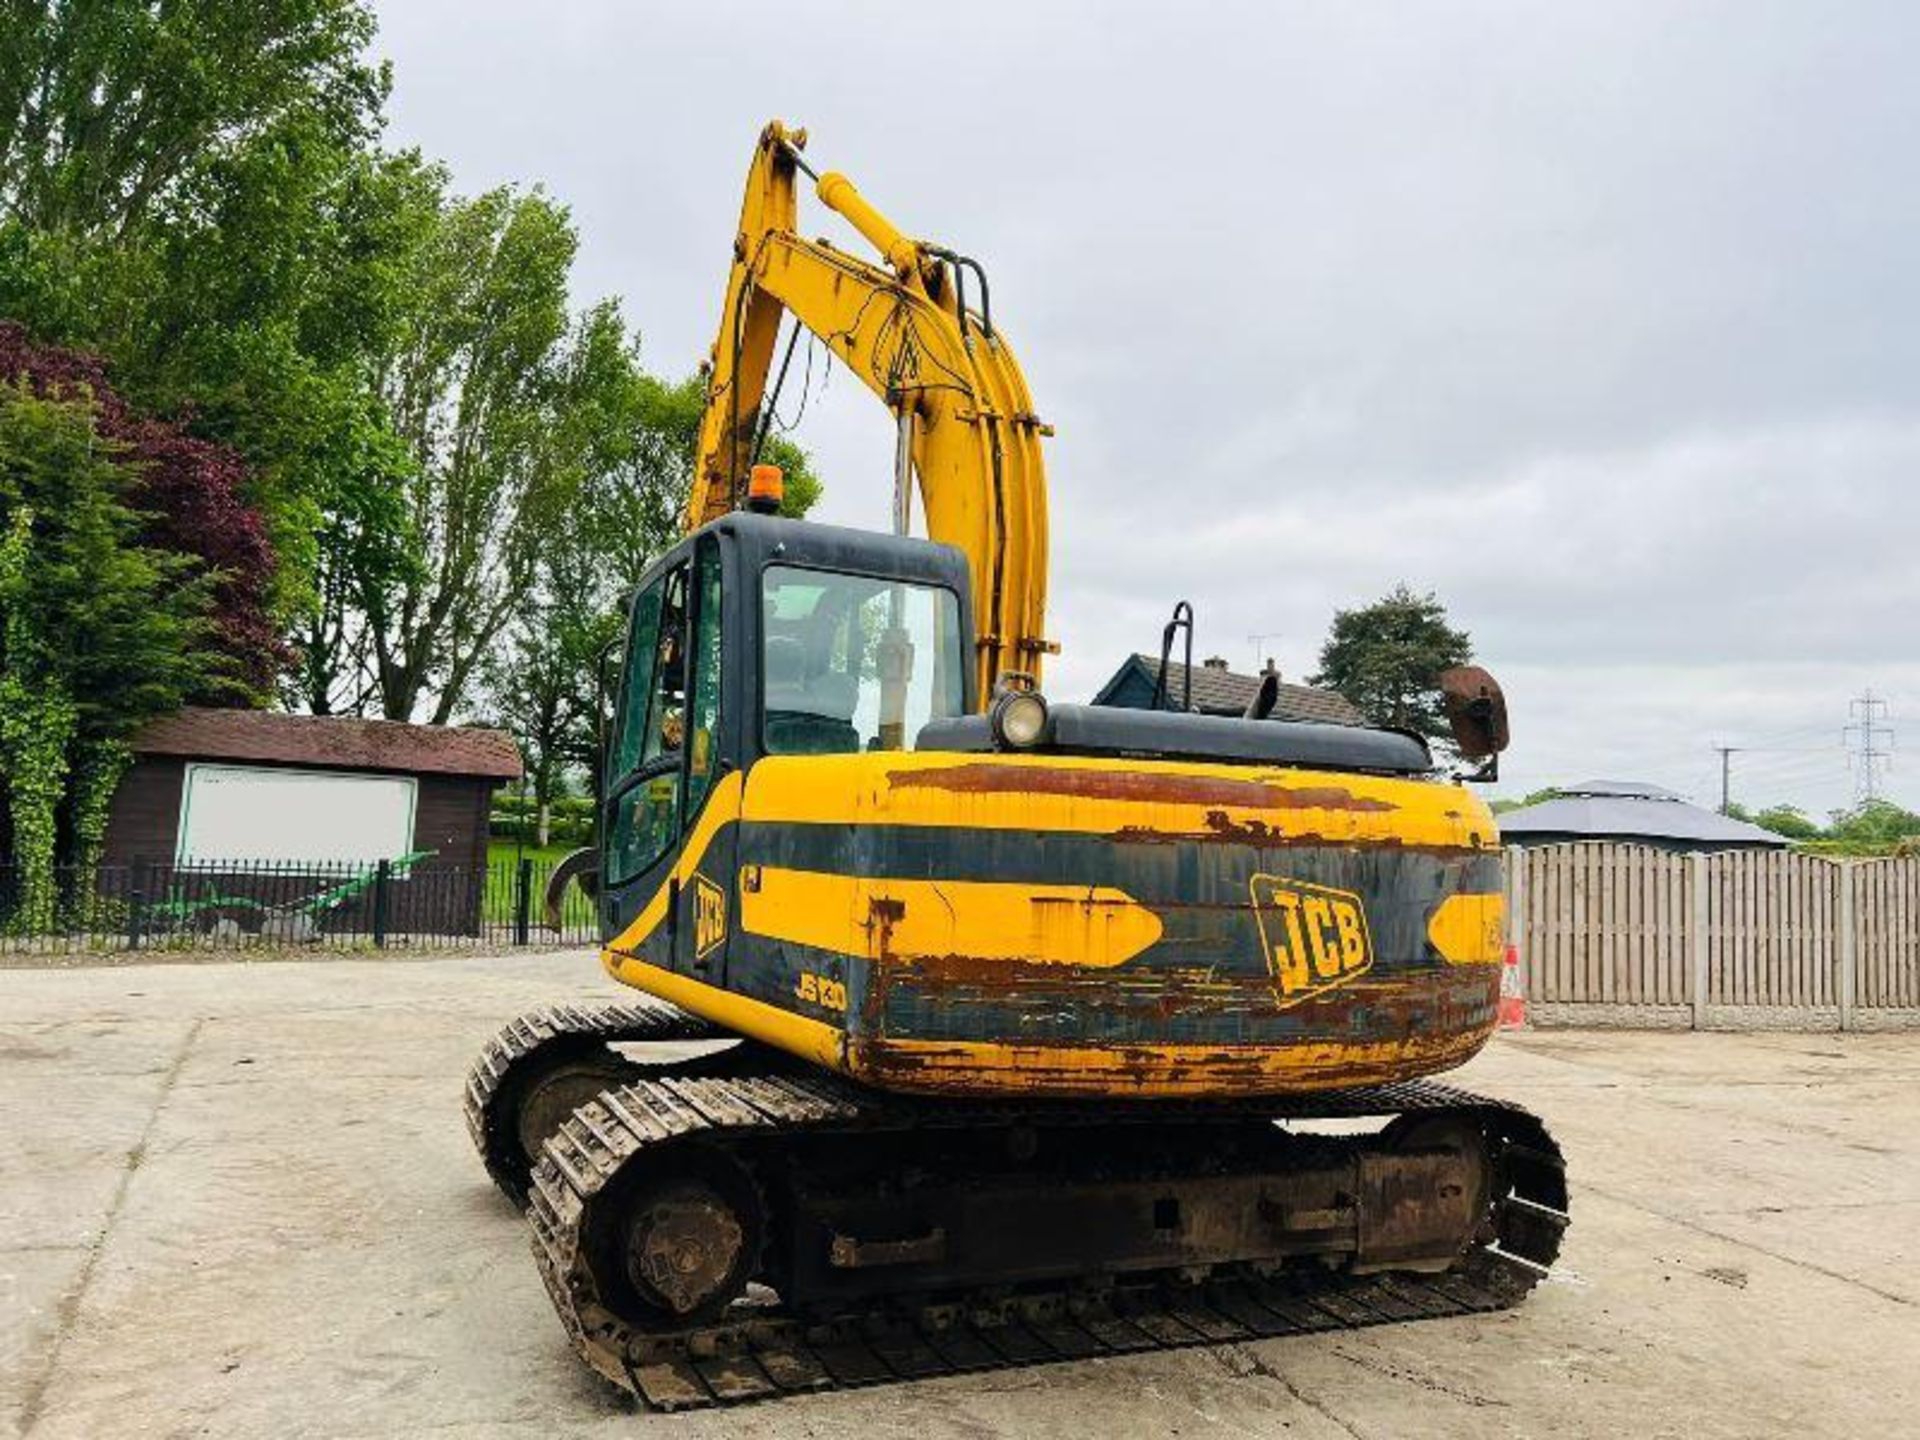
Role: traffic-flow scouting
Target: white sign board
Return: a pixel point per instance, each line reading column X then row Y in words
column 238, row 814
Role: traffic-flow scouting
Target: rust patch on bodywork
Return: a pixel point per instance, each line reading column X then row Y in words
column 1224, row 829
column 1140, row 787
column 1321, row 1062
column 1410, row 1024
column 1251, row 831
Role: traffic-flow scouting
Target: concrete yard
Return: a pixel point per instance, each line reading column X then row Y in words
column 238, row 1200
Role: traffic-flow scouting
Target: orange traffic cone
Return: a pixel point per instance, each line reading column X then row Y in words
column 1513, row 1000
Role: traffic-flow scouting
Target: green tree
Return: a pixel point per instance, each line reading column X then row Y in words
column 194, row 190
column 190, row 496
column 1386, row 657
column 110, row 110
column 543, row 683
column 1500, row 807
column 506, row 405
column 544, row 680
column 1875, row 827
column 363, row 544
column 1788, row 820
column 197, row 190
column 98, row 633
column 669, row 428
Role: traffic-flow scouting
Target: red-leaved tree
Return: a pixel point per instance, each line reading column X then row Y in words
column 193, row 495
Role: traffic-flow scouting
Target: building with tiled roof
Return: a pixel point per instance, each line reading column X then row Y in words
column 1218, row 690
column 211, row 788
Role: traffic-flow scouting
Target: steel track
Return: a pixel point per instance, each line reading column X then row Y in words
column 758, row 1350
column 559, row 1030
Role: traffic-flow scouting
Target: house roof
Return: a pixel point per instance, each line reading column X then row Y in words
column 1221, row 691
column 338, row 741
column 1629, row 809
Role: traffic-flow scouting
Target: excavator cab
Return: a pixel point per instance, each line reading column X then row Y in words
column 759, row 636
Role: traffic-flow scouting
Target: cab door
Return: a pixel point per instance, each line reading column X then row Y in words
column 662, row 904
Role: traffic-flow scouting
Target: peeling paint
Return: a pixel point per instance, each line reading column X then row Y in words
column 1136, row 787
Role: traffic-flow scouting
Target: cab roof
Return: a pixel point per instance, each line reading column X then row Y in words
column 776, row 540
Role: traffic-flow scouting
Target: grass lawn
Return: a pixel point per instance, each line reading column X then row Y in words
column 505, row 852
column 497, row 904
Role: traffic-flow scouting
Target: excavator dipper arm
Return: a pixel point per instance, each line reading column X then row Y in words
column 948, row 377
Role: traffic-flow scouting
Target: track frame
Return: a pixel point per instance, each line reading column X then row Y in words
column 761, row 1347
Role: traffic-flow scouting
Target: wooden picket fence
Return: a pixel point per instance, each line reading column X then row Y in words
column 1610, row 933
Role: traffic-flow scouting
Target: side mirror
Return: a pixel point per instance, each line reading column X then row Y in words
column 1477, row 712
column 581, row 868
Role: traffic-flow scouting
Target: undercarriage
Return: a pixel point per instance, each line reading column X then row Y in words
column 731, row 1225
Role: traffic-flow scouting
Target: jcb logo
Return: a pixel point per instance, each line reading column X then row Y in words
column 709, row 916
column 1315, row 937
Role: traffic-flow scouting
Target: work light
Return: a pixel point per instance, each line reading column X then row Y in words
column 1019, row 719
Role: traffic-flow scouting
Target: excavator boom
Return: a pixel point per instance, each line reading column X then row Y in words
column 964, row 417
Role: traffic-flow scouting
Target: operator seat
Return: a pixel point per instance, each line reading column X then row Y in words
column 807, row 715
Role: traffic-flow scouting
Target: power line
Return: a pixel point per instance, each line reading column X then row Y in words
column 1862, row 714
column 1765, row 785
column 1829, row 757
column 1771, row 764
column 1777, row 739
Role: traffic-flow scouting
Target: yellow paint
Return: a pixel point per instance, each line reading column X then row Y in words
column 975, row 440
column 1466, row 930
column 813, row 1040
column 1097, row 927
column 1315, row 937
column 879, row 788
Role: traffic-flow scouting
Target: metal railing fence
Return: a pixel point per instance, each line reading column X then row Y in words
column 405, row 904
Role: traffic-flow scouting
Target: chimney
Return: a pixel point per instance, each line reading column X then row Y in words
column 1215, row 662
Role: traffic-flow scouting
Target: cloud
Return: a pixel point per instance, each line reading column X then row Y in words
column 1600, row 323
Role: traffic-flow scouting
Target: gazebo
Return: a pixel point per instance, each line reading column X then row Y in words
column 1632, row 811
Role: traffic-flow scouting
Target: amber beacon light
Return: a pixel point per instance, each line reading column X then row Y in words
column 766, row 488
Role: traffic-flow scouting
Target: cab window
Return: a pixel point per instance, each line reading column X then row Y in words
column 643, row 637
column 644, row 818
column 703, row 709
column 853, row 662
column 666, row 726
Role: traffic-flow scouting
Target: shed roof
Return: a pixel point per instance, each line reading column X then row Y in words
column 1227, row 692
column 1629, row 809
column 337, row 741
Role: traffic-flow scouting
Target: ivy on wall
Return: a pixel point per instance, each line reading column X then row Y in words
column 99, row 632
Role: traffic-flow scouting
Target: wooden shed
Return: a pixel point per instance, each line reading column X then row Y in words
column 224, row 796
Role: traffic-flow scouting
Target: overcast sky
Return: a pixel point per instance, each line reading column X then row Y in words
column 1604, row 326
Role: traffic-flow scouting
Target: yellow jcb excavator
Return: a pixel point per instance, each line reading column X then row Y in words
column 978, row 1030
